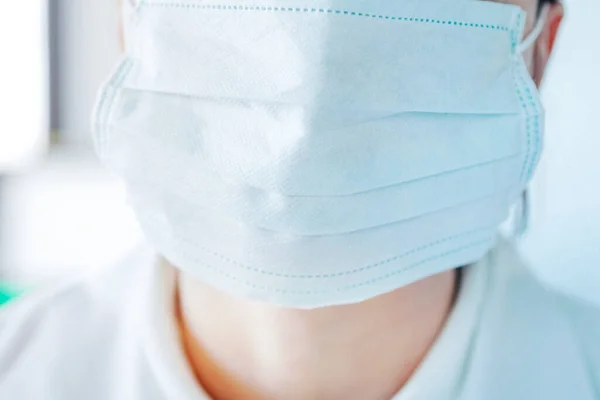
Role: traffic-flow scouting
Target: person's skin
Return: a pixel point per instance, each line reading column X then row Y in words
column 254, row 351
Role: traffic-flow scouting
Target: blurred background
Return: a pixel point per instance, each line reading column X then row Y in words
column 60, row 212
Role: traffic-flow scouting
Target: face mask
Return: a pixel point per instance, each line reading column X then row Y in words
column 323, row 153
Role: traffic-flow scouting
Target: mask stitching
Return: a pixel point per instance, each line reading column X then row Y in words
column 516, row 80
column 534, row 117
column 326, row 11
column 102, row 105
column 354, row 286
column 533, row 122
column 117, row 91
column 107, row 103
column 337, row 274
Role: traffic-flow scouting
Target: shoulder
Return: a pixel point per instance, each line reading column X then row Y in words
column 65, row 334
column 535, row 340
column 516, row 286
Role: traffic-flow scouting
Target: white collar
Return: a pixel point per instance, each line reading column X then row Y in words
column 440, row 375
column 165, row 352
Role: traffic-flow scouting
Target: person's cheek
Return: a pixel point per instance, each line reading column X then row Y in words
column 126, row 9
column 529, row 55
column 530, row 61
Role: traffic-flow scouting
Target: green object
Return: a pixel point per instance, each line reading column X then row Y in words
column 8, row 293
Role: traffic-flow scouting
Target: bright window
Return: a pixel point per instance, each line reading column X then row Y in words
column 24, row 123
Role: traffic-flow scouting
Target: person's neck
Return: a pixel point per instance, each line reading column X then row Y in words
column 253, row 351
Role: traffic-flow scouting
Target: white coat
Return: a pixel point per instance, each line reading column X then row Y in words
column 108, row 337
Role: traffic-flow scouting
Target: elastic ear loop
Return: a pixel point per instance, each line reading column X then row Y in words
column 536, row 32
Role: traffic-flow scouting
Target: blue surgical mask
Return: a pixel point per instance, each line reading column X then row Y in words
column 322, row 152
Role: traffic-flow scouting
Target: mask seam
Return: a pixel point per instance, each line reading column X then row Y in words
column 527, row 122
column 532, row 123
column 341, row 12
column 107, row 102
column 519, row 92
column 338, row 274
column 528, row 105
column 101, row 107
column 534, row 118
column 369, row 282
column 112, row 103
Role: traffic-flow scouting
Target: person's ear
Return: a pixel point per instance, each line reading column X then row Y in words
column 545, row 43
